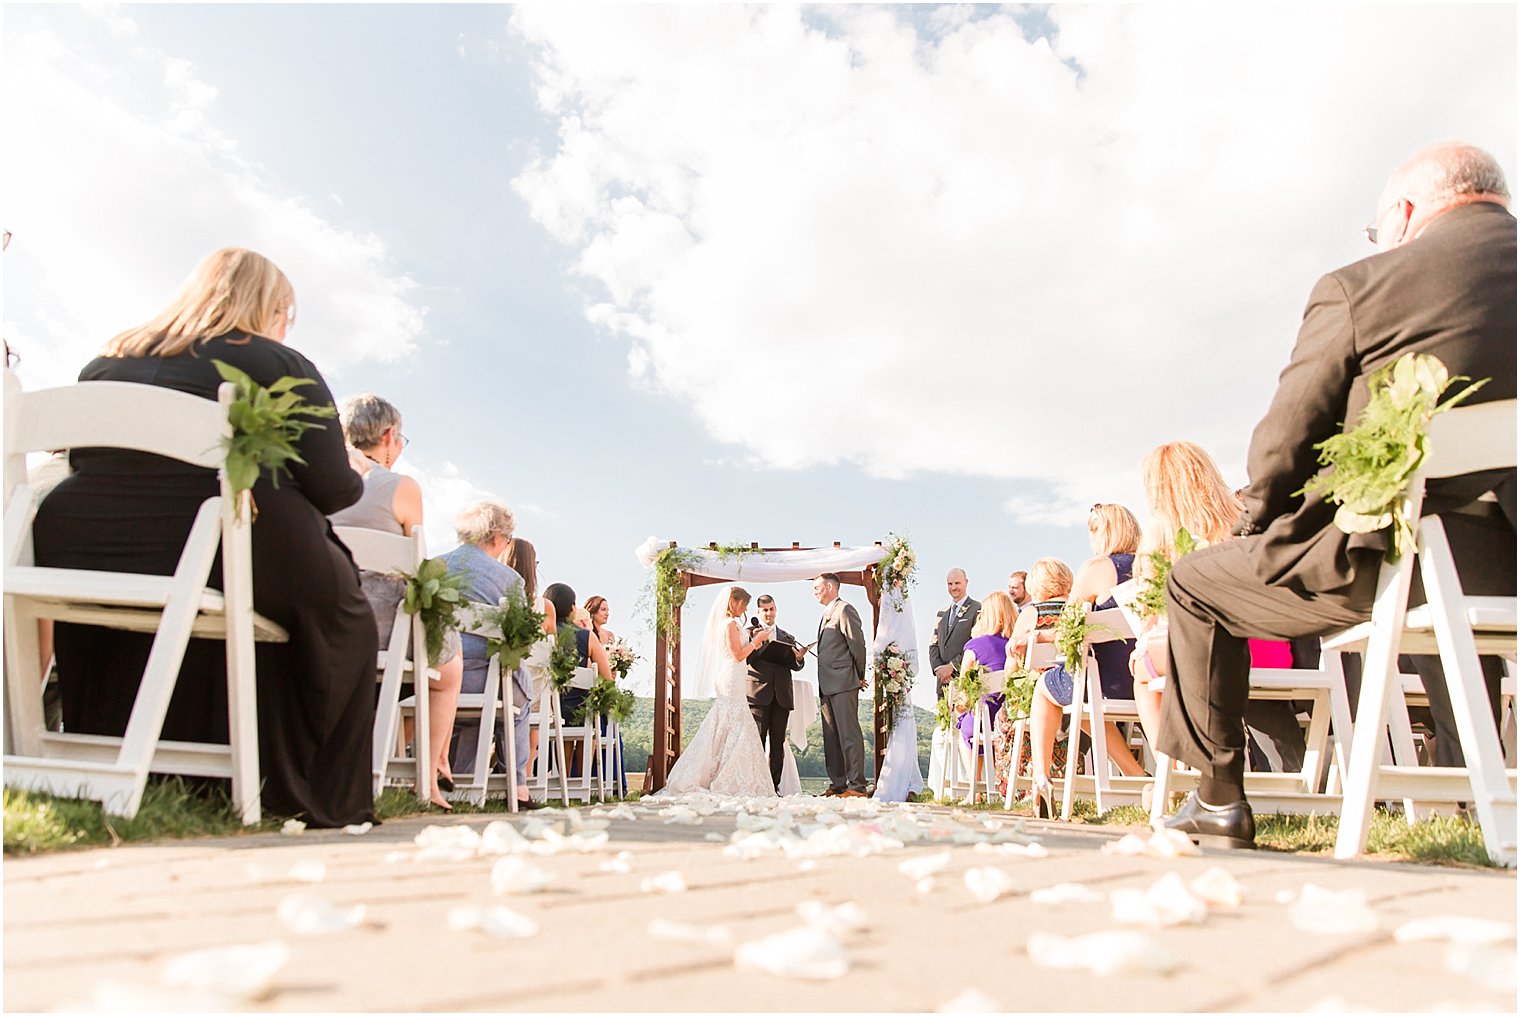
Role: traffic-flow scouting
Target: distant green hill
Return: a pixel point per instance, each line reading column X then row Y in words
column 638, row 736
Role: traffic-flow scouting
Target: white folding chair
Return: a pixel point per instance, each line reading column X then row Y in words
column 587, row 737
column 550, row 762
column 175, row 608
column 390, row 553
column 610, row 760
column 476, row 785
column 1088, row 702
column 1038, row 657
column 1457, row 627
column 961, row 771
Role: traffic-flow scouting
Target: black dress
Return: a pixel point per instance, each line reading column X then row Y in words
column 130, row 511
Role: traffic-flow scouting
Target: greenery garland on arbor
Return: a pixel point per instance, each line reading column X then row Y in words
column 1371, row 463
column 265, row 429
column 669, row 593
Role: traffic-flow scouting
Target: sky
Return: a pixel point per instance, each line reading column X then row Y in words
column 733, row 274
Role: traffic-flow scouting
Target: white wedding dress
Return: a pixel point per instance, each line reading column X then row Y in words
column 726, row 756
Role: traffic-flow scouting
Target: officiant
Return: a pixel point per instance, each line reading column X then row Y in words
column 770, row 682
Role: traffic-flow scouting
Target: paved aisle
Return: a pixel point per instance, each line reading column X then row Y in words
column 98, row 926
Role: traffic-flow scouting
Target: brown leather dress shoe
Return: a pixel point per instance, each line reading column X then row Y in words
column 852, row 793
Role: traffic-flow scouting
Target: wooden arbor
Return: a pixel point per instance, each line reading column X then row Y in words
column 667, row 669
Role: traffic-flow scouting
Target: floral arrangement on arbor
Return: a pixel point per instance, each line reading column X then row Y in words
column 1372, row 461
column 895, row 570
column 265, row 428
column 894, row 678
column 436, row 597
column 621, row 658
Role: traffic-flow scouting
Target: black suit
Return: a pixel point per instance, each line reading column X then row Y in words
column 1450, row 292
column 770, row 693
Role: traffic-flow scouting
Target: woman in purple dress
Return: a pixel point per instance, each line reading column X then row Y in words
column 989, row 647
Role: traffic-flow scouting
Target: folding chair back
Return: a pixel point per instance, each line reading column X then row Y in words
column 392, row 553
column 174, row 608
column 1457, row 627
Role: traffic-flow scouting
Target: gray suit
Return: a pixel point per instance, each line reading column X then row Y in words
column 952, row 630
column 841, row 667
column 1450, row 292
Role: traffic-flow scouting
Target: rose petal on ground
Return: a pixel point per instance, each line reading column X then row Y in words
column 134, row 996
column 925, row 886
column 495, row 921
column 1285, row 896
column 1170, row 843
column 714, row 837
column 970, row 1000
column 1066, row 892
column 622, row 812
column 622, row 864
column 678, row 931
column 501, row 837
column 1012, row 849
column 516, row 874
column 681, row 815
column 806, row 865
column 305, row 914
column 1487, row 967
column 922, row 867
column 665, row 882
column 358, row 830
column 1335, row 1003
column 1327, row 912
column 1102, row 952
column 809, row 954
column 1166, row 904
column 839, row 920
column 1455, row 929
column 239, row 971
column 1130, row 846
column 1218, row 888
column 987, row 884
column 447, row 843
column 292, row 827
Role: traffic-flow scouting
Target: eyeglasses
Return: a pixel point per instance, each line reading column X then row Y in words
column 1372, row 230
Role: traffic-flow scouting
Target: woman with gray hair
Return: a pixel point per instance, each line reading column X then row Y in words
column 485, row 541
column 392, row 503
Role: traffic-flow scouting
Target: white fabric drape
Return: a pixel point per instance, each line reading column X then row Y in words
column 776, row 566
column 900, row 775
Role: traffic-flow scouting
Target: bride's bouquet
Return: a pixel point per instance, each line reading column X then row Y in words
column 894, row 677
column 621, row 658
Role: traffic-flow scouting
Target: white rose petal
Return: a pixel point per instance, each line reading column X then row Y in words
column 809, row 954
column 518, row 875
column 359, row 829
column 665, row 882
column 1103, row 953
column 312, row 915
column 1489, row 968
column 925, row 886
column 1066, row 892
column 677, row 931
column 987, row 884
column 838, row 920
column 308, row 871
column 1218, row 888
column 240, row 971
column 922, row 867
column 1326, row 912
column 292, row 827
column 1456, row 929
column 497, row 922
column 1165, row 904
column 447, row 843
column 714, row 838
column 501, row 837
column 970, row 1000
column 622, row 864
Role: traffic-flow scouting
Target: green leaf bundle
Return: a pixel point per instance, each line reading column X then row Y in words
column 564, row 658
column 266, row 427
column 968, row 687
column 943, row 717
column 521, row 629
column 437, row 597
column 605, row 699
column 1018, row 691
column 1371, row 462
column 1071, row 631
column 1151, row 600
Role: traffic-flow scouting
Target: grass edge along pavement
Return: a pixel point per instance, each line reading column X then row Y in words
column 173, row 809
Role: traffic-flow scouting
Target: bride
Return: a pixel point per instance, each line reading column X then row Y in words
column 726, row 756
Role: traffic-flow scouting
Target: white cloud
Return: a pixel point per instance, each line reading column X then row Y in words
column 118, row 180
column 893, row 245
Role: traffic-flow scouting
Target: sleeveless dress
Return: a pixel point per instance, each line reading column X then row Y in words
column 1112, row 657
column 991, row 651
column 726, row 755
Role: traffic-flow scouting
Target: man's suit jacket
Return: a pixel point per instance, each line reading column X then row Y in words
column 1451, row 293
column 841, row 649
column 951, row 633
column 770, row 671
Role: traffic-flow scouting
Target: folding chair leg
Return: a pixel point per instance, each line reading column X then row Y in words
column 1161, row 789
column 1073, row 743
column 242, row 690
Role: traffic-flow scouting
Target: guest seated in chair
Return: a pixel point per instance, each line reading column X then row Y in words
column 1186, row 491
column 129, row 511
column 600, row 612
column 589, row 653
column 523, row 559
column 1049, row 583
column 392, row 503
column 1114, row 535
column 988, row 646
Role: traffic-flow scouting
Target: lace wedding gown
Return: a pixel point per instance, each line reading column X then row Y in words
column 726, row 756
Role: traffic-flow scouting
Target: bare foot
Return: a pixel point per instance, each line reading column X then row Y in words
column 437, row 801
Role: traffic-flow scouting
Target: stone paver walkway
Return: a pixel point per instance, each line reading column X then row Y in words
column 97, row 927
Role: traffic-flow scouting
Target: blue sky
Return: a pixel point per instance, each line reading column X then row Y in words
column 735, row 274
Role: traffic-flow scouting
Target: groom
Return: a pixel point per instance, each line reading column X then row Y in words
column 841, row 676
column 770, row 683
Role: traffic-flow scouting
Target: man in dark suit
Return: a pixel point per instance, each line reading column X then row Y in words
column 770, row 683
column 952, row 630
column 1442, row 283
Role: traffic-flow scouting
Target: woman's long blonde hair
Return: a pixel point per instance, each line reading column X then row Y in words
column 1186, row 491
column 232, row 290
column 996, row 616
